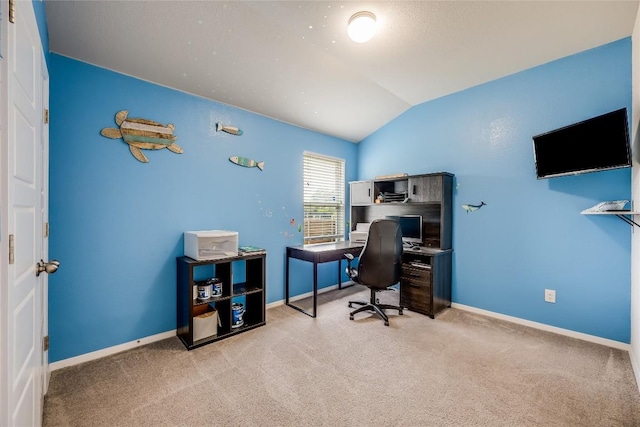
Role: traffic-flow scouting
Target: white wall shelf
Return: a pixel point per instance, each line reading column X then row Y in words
column 626, row 216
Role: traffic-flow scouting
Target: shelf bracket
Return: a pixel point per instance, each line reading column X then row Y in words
column 628, row 220
column 626, row 216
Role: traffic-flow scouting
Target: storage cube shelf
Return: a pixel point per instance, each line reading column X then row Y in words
column 250, row 292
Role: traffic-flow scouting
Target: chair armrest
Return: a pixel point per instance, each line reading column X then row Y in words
column 351, row 272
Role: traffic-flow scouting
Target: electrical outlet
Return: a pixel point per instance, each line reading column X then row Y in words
column 550, row 295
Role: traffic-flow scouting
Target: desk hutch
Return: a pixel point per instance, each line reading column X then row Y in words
column 425, row 285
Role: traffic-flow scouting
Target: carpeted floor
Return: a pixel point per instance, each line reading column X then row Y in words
column 461, row 369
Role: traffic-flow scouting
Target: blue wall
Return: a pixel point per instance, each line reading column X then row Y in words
column 117, row 224
column 530, row 235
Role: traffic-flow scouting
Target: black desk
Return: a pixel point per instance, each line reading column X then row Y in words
column 319, row 253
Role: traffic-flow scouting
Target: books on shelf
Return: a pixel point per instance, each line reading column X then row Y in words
column 251, row 250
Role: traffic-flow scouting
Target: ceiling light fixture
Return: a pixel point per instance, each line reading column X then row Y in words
column 362, row 26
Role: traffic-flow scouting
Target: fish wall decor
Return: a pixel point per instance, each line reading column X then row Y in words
column 247, row 163
column 472, row 208
column 228, row 129
column 143, row 134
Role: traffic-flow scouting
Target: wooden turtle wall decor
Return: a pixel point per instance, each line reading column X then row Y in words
column 143, row 134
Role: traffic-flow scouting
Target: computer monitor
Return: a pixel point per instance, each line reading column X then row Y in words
column 411, row 226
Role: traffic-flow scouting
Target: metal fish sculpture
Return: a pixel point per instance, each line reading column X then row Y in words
column 228, row 129
column 247, row 163
column 143, row 134
column 471, row 208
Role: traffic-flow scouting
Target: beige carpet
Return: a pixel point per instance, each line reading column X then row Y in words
column 461, row 369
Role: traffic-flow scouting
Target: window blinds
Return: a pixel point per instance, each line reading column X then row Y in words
column 323, row 198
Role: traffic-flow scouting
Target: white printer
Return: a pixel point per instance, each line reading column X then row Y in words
column 359, row 235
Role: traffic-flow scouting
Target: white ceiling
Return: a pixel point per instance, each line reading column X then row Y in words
column 292, row 60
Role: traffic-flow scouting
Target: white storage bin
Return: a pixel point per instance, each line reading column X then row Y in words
column 210, row 244
column 205, row 325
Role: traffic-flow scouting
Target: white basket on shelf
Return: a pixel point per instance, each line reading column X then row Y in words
column 613, row 205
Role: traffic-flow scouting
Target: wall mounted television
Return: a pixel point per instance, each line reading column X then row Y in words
column 411, row 227
column 593, row 145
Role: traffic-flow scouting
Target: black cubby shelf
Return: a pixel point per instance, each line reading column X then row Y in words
column 190, row 314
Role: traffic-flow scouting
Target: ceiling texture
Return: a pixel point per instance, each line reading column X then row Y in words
column 292, row 60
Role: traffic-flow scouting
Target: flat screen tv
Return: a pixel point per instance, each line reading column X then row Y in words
column 411, row 226
column 596, row 144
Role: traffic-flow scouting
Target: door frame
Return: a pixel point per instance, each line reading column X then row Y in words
column 4, row 222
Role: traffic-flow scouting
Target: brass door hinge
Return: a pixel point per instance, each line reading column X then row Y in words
column 46, row 116
column 46, row 229
column 12, row 11
column 11, row 249
column 45, row 343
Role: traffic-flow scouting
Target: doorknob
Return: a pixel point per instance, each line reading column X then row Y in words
column 47, row 267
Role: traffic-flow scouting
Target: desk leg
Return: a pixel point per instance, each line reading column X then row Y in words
column 286, row 286
column 315, row 288
column 287, row 300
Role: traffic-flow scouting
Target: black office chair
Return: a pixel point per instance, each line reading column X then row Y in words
column 379, row 265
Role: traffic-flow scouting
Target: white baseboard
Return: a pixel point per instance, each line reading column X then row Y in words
column 275, row 304
column 305, row 295
column 164, row 335
column 635, row 366
column 110, row 350
column 148, row 340
column 585, row 337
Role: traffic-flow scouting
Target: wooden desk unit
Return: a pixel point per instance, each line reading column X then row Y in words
column 318, row 254
column 425, row 285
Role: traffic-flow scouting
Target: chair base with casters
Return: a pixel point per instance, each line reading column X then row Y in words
column 373, row 305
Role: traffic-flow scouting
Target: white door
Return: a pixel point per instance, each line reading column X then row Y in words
column 44, row 206
column 24, row 316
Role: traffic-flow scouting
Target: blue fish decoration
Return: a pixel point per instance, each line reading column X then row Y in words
column 228, row 129
column 247, row 163
column 472, row 208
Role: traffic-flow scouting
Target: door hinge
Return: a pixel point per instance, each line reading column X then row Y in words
column 46, row 116
column 45, row 343
column 46, row 229
column 11, row 249
column 12, row 11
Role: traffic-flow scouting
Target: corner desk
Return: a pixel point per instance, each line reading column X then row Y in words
column 425, row 284
column 317, row 254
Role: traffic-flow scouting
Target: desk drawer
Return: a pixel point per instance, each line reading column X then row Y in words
column 415, row 294
column 416, row 273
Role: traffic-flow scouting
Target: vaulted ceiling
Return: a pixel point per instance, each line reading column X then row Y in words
column 292, row 60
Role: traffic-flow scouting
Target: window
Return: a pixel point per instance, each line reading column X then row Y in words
column 323, row 199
